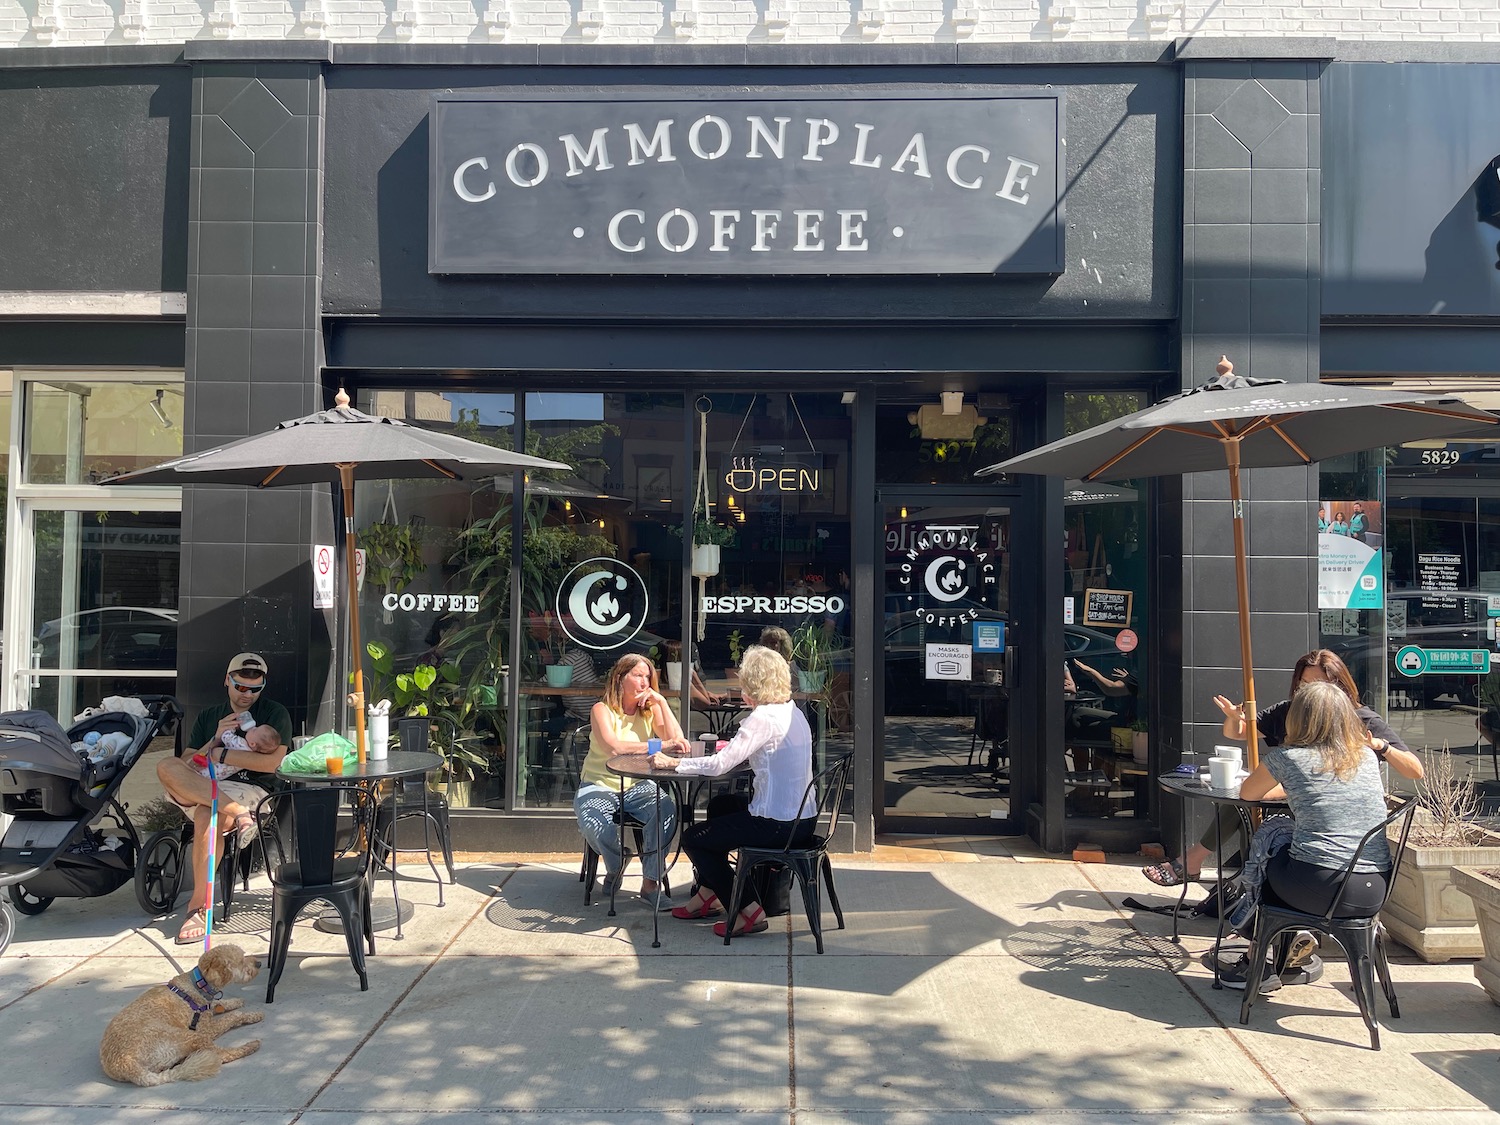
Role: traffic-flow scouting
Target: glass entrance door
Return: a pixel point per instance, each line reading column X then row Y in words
column 945, row 754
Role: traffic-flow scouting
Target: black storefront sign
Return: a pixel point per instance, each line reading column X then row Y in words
column 790, row 183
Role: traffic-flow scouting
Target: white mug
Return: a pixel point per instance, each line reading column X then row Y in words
column 1235, row 752
column 1223, row 773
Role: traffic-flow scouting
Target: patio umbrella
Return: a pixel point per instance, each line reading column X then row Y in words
column 1233, row 422
column 340, row 446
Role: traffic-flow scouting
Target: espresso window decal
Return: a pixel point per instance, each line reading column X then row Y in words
column 789, row 184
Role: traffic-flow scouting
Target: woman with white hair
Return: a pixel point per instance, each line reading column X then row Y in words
column 777, row 743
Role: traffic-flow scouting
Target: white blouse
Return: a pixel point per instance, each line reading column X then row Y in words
column 777, row 742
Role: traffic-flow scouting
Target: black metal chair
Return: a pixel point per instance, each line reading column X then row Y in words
column 414, row 801
column 990, row 734
column 588, row 871
column 1361, row 937
column 318, row 866
column 807, row 862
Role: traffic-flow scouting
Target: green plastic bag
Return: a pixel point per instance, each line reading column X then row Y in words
column 313, row 758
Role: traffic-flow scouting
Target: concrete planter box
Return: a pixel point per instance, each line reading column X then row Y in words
column 1483, row 890
column 1426, row 912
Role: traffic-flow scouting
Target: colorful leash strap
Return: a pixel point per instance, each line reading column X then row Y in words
column 213, row 832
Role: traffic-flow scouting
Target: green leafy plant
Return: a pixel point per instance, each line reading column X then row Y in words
column 736, row 647
column 393, row 554
column 1138, row 725
column 811, row 644
column 706, row 533
column 436, row 693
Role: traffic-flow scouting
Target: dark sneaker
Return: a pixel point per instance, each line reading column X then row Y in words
column 1301, row 951
column 1237, row 976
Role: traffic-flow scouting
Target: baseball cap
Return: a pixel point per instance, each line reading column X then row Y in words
column 248, row 662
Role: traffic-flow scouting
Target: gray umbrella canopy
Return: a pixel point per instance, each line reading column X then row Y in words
column 310, row 450
column 340, row 446
column 1233, row 422
column 1271, row 424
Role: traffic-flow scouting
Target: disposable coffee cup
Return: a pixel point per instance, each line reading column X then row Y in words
column 707, row 743
column 1223, row 773
column 653, row 747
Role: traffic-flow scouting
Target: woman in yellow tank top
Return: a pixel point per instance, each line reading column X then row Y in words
column 631, row 711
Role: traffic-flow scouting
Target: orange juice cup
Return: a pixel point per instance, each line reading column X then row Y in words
column 335, row 765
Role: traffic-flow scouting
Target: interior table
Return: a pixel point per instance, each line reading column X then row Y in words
column 369, row 776
column 637, row 767
column 1192, row 787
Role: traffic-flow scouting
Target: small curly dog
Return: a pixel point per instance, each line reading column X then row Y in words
column 167, row 1034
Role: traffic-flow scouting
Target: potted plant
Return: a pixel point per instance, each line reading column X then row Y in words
column 673, row 665
column 437, row 694
column 1425, row 911
column 1138, row 740
column 1483, row 889
column 393, row 556
column 708, row 539
column 811, row 644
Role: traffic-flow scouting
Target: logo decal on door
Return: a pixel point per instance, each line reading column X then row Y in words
column 950, row 570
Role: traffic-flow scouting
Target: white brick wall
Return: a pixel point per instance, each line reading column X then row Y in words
column 30, row 23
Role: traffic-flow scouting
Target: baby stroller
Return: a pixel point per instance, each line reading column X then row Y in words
column 70, row 836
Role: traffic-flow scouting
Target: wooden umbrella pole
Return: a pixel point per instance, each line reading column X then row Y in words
column 1242, row 590
column 357, row 696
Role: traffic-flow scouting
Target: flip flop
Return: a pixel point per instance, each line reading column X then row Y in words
column 194, row 926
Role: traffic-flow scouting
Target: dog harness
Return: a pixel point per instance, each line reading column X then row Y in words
column 200, row 982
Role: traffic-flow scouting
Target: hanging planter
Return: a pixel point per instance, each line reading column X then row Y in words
column 705, row 560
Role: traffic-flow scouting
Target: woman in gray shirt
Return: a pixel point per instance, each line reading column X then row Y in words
column 1329, row 776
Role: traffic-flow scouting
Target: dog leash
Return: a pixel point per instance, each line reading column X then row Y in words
column 213, row 831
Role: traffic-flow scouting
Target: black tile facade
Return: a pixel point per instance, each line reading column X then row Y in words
column 1251, row 213
column 253, row 360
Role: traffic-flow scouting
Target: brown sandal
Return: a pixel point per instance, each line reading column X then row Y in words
column 194, row 928
column 1166, row 874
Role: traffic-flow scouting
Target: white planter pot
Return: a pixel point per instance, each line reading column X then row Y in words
column 1426, row 912
column 705, row 560
column 1484, row 892
column 674, row 675
column 1138, row 745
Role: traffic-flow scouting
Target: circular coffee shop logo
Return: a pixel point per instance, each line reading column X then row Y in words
column 601, row 604
column 947, row 573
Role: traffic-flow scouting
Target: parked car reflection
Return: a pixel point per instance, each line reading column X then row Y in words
column 110, row 637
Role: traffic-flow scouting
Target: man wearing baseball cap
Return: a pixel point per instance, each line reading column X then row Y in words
column 240, row 772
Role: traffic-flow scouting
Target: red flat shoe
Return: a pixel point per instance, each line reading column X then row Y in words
column 753, row 925
column 708, row 908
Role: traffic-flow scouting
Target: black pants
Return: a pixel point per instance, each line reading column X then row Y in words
column 1309, row 888
column 708, row 846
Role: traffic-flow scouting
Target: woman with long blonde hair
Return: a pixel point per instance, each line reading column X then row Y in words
column 1330, row 777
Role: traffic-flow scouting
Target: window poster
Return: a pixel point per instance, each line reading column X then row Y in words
column 1350, row 567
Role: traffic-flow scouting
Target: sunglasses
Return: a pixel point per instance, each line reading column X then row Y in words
column 253, row 689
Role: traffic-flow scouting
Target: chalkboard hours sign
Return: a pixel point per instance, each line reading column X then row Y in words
column 1107, row 607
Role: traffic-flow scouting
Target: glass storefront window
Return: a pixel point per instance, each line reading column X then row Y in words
column 1105, row 613
column 917, row 444
column 105, row 600
column 435, row 604
column 601, row 561
column 81, row 431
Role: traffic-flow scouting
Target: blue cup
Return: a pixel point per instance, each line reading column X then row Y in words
column 653, row 747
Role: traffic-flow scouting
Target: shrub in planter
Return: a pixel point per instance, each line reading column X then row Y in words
column 1483, row 889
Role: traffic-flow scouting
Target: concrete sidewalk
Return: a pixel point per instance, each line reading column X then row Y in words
column 976, row 980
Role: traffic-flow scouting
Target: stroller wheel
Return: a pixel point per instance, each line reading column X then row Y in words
column 7, row 926
column 26, row 902
column 158, row 873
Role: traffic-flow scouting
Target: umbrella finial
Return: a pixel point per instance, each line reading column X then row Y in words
column 1224, row 367
column 341, row 400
